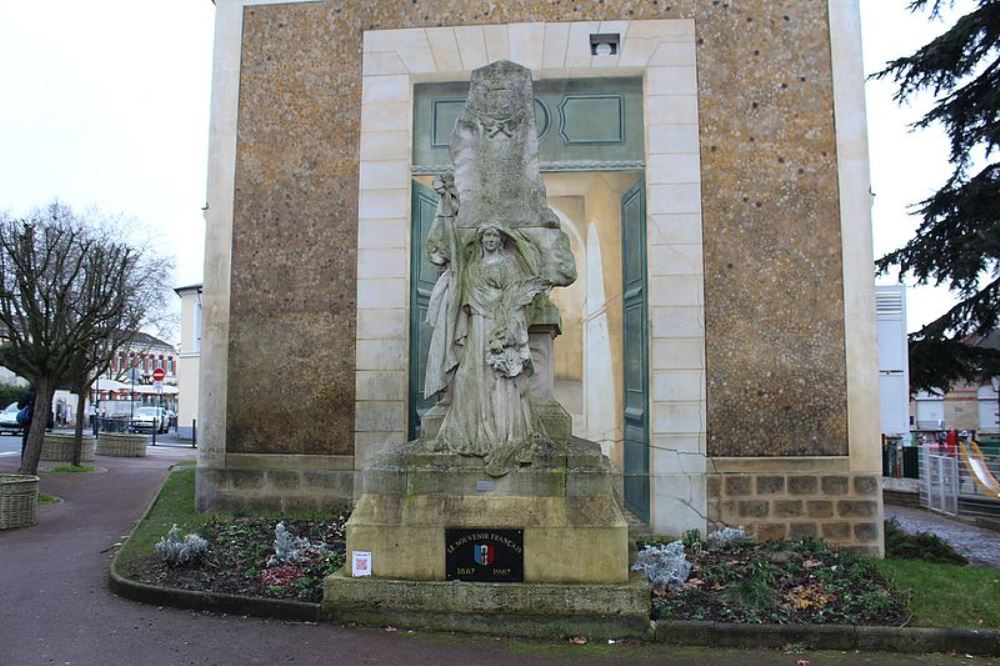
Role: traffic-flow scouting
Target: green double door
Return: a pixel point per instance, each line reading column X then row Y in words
column 635, row 354
column 635, row 334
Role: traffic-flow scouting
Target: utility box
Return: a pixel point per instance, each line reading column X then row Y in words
column 893, row 359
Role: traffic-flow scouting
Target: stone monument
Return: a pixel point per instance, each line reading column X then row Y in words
column 496, row 489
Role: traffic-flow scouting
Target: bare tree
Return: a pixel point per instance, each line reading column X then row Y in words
column 69, row 297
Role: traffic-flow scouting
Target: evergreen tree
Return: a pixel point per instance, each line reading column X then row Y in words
column 958, row 240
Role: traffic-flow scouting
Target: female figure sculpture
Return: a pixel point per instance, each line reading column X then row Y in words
column 490, row 413
column 499, row 247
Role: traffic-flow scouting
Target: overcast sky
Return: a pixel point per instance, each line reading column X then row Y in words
column 106, row 103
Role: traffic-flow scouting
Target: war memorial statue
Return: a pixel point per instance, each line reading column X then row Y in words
column 496, row 490
column 501, row 250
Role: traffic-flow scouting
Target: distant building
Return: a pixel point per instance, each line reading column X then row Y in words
column 189, row 359
column 145, row 354
column 964, row 406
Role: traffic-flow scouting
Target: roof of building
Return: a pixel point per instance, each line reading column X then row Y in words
column 145, row 339
column 190, row 287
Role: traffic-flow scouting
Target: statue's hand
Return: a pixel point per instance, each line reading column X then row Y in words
column 537, row 285
column 439, row 259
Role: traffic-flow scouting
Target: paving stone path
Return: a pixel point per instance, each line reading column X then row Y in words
column 981, row 546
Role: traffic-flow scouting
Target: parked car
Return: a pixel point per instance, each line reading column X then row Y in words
column 149, row 418
column 8, row 420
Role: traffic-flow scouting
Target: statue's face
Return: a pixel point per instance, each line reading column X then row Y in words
column 492, row 240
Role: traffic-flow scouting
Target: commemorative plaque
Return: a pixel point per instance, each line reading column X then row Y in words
column 484, row 555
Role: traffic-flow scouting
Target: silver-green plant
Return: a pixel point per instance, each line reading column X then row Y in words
column 666, row 565
column 176, row 551
column 727, row 536
column 290, row 549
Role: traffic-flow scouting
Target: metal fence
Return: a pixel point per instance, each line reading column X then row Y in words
column 939, row 481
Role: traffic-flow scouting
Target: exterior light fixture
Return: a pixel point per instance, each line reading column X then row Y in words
column 604, row 44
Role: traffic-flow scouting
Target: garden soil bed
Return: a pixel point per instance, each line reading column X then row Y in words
column 237, row 561
column 781, row 583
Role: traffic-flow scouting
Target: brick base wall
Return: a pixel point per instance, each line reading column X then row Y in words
column 845, row 510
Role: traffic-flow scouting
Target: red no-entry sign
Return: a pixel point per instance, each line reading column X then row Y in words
column 159, row 374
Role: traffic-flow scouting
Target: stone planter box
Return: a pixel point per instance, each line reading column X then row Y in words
column 121, row 445
column 18, row 499
column 59, row 448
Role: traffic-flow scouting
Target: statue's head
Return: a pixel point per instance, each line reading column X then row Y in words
column 490, row 237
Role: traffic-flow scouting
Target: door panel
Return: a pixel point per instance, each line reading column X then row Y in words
column 636, row 353
column 424, row 203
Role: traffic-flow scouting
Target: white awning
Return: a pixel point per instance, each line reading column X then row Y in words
column 149, row 389
column 105, row 384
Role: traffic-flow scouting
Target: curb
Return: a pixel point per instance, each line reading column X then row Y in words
column 979, row 642
column 210, row 601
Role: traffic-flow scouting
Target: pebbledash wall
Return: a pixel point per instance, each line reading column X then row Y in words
column 763, row 386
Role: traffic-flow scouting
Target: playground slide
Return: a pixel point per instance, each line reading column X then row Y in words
column 981, row 474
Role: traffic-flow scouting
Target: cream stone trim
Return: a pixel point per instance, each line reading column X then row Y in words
column 779, row 465
column 856, row 235
column 297, row 462
column 662, row 52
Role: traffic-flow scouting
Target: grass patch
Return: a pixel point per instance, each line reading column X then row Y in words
column 73, row 469
column 48, row 499
column 174, row 504
column 946, row 595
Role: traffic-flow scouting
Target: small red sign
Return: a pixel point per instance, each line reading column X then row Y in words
column 159, row 374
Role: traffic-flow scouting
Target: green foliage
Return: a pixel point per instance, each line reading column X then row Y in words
column 752, row 593
column 919, row 546
column 10, row 393
column 801, row 582
column 48, row 499
column 958, row 240
column 691, row 538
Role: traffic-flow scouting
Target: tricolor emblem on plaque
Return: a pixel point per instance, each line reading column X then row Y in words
column 484, row 554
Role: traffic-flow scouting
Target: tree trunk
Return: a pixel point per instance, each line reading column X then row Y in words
column 81, row 397
column 36, row 429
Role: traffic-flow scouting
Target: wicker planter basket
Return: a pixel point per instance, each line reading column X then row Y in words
column 18, row 498
column 121, row 445
column 59, row 448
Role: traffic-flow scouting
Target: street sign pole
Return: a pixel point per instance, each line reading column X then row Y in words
column 159, row 374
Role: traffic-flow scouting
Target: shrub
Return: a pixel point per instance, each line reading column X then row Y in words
column 176, row 551
column 666, row 566
column 924, row 546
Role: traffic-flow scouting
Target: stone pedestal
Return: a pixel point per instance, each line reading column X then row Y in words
column 574, row 530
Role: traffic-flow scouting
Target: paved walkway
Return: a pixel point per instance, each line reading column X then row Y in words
column 55, row 606
column 981, row 546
